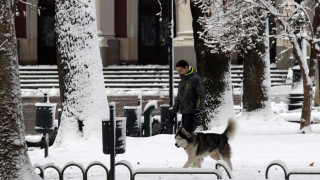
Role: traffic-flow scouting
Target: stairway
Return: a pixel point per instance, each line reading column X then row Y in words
column 129, row 77
column 295, row 101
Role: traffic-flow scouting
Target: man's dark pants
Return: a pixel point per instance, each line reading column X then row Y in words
column 189, row 122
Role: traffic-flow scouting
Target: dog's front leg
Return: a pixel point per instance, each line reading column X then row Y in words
column 199, row 162
column 189, row 162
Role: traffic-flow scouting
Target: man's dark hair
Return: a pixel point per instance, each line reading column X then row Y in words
column 182, row 63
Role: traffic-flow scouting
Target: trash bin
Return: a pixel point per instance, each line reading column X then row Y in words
column 133, row 116
column 120, row 139
column 165, row 119
column 296, row 75
column 45, row 115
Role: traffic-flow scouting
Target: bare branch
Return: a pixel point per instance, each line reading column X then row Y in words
column 24, row 2
column 3, row 43
column 271, row 9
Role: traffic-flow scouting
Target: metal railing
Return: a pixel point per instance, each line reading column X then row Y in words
column 289, row 172
column 84, row 171
column 60, row 172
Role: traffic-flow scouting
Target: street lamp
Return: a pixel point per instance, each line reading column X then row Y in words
column 170, row 53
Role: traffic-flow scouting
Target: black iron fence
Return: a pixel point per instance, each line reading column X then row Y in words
column 134, row 172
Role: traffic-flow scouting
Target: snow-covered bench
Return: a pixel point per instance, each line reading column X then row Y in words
column 289, row 172
column 216, row 171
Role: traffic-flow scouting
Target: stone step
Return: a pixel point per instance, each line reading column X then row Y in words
column 34, row 77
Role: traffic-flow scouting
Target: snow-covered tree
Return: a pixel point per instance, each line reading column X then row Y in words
column 233, row 28
column 14, row 160
column 236, row 26
column 299, row 25
column 81, row 79
column 214, row 68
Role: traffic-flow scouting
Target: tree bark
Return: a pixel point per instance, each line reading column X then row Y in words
column 307, row 86
column 256, row 76
column 215, row 71
column 81, row 79
column 254, row 91
column 14, row 160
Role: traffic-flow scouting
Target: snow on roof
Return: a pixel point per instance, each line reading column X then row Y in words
column 46, row 104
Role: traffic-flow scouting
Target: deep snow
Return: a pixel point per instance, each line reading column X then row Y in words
column 262, row 137
column 257, row 143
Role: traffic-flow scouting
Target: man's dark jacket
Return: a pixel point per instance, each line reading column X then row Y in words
column 191, row 93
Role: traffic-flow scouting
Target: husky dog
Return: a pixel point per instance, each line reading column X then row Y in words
column 200, row 145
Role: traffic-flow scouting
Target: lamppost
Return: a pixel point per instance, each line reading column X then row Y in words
column 170, row 50
column 170, row 53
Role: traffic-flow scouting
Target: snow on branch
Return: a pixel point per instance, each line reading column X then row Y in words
column 233, row 25
column 27, row 3
column 3, row 44
column 160, row 12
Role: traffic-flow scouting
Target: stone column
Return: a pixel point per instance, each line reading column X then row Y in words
column 105, row 18
column 109, row 50
column 129, row 45
column 184, row 20
column 29, row 46
column 132, row 18
column 183, row 43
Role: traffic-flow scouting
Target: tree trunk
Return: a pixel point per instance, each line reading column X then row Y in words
column 307, row 87
column 215, row 71
column 315, row 53
column 308, row 79
column 80, row 69
column 14, row 160
column 255, row 93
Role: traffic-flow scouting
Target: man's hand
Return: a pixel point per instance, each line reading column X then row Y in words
column 198, row 116
column 172, row 117
column 198, row 111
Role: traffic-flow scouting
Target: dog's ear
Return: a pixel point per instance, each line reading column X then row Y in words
column 185, row 132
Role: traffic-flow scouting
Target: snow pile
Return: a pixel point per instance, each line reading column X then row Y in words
column 279, row 107
column 280, row 93
column 263, row 121
column 33, row 138
column 222, row 113
column 295, row 116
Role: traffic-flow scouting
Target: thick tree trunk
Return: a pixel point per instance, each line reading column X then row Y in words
column 215, row 71
column 255, row 93
column 82, row 88
column 14, row 160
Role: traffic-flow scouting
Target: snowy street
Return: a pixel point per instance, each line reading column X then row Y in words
column 254, row 147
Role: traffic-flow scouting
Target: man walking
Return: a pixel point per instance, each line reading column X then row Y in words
column 190, row 98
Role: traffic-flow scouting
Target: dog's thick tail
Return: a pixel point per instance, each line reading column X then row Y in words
column 231, row 129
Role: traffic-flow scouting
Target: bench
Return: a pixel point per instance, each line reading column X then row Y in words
column 217, row 172
column 289, row 172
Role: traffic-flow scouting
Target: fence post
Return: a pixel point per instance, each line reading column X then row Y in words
column 112, row 141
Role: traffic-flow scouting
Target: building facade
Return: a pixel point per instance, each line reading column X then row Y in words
column 130, row 32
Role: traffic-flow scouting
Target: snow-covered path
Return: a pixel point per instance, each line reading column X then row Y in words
column 256, row 144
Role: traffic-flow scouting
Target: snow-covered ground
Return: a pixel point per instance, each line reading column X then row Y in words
column 257, row 143
column 261, row 138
